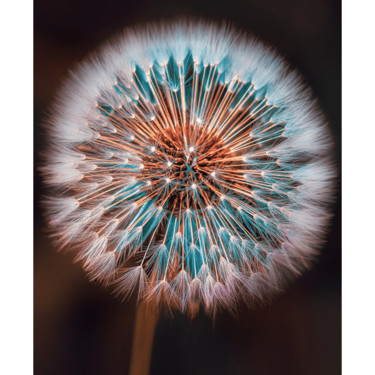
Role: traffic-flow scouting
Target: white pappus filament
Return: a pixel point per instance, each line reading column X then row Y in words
column 190, row 165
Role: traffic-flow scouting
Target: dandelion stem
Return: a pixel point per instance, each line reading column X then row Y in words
column 146, row 319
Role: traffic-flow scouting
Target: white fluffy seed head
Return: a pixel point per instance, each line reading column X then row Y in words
column 129, row 152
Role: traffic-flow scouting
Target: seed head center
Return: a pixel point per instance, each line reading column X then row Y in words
column 186, row 160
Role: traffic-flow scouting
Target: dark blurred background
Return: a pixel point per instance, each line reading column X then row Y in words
column 80, row 328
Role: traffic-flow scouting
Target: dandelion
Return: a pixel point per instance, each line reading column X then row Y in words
column 190, row 165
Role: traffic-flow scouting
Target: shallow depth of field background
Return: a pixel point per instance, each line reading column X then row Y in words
column 80, row 328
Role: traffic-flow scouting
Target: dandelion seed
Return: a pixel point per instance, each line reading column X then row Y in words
column 166, row 111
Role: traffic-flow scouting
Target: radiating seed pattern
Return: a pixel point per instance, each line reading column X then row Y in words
column 191, row 166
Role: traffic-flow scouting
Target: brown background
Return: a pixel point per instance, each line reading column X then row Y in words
column 79, row 327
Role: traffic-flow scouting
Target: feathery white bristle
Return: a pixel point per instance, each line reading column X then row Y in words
column 190, row 164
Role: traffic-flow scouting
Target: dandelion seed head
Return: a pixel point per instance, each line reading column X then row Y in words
column 190, row 166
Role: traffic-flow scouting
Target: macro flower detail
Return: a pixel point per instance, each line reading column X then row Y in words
column 190, row 165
